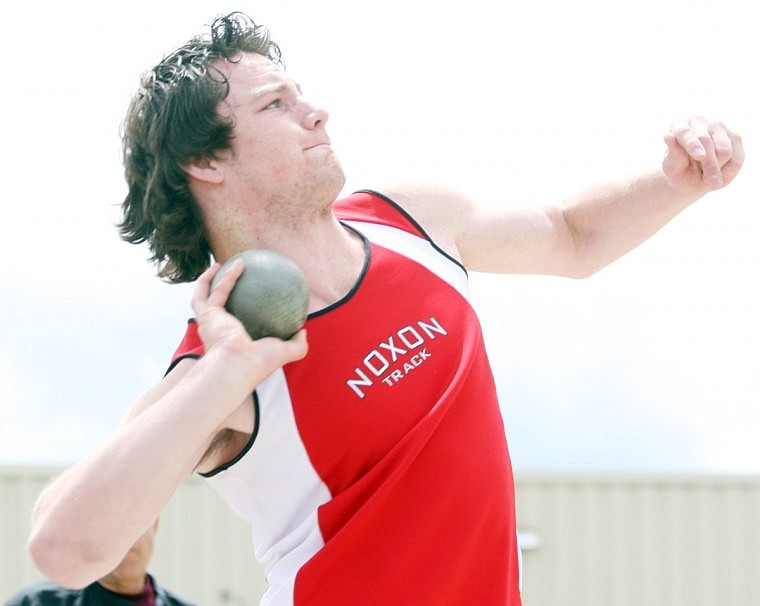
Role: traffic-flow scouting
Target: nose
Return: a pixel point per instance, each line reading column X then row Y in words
column 315, row 117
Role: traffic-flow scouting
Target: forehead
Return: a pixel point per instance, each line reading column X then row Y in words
column 250, row 73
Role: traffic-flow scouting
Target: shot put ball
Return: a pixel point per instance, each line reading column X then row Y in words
column 270, row 297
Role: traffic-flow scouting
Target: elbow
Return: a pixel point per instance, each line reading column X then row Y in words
column 576, row 267
column 575, row 252
column 61, row 562
column 582, row 272
column 586, row 259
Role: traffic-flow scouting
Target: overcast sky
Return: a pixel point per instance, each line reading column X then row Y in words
column 652, row 364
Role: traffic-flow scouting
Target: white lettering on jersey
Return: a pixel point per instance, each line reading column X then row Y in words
column 391, row 361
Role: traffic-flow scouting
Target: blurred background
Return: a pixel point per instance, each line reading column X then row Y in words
column 651, row 366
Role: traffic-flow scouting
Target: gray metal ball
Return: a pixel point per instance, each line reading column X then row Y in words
column 270, row 298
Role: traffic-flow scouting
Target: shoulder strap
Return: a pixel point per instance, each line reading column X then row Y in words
column 372, row 207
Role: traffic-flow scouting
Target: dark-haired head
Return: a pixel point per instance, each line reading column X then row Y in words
column 171, row 121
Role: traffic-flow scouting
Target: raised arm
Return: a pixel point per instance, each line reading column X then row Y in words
column 87, row 519
column 587, row 231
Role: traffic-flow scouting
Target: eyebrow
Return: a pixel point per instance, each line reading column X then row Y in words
column 276, row 88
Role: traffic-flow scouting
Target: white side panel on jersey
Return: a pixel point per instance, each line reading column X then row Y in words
column 274, row 486
column 417, row 249
column 276, row 489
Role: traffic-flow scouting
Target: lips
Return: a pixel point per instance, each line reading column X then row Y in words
column 319, row 144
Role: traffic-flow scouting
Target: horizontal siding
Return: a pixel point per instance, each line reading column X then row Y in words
column 18, row 489
column 203, row 550
column 588, row 540
column 633, row 540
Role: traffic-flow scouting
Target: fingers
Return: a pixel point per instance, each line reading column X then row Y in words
column 732, row 167
column 204, row 295
column 299, row 345
column 706, row 148
column 202, row 288
column 688, row 136
column 226, row 282
column 293, row 349
column 677, row 159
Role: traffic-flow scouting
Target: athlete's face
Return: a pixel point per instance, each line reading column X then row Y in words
column 280, row 148
column 130, row 573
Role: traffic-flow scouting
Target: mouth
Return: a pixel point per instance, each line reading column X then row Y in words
column 318, row 145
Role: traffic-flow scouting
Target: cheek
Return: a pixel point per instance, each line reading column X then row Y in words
column 278, row 164
column 272, row 151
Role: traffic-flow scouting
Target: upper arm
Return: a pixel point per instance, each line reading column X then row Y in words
column 528, row 240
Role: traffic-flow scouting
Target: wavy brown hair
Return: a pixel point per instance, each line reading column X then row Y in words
column 171, row 121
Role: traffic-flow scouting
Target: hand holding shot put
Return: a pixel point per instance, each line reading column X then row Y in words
column 270, row 297
column 219, row 328
column 361, row 459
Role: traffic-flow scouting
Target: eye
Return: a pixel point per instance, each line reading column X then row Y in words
column 276, row 104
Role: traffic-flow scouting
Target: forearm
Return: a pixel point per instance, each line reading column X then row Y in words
column 606, row 222
column 90, row 516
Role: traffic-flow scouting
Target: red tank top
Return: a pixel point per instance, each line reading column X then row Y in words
column 378, row 471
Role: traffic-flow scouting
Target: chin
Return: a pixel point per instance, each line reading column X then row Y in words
column 333, row 182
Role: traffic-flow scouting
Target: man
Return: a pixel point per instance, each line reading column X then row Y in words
column 129, row 584
column 371, row 463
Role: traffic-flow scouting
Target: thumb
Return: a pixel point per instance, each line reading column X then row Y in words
column 676, row 161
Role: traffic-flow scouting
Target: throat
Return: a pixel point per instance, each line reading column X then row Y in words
column 336, row 274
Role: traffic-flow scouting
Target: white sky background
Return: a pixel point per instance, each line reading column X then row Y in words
column 652, row 364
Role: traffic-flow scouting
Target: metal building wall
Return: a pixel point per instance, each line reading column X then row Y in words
column 203, row 550
column 589, row 540
column 641, row 540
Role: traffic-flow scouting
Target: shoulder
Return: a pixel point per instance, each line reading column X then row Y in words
column 439, row 211
column 434, row 206
column 45, row 593
column 167, row 598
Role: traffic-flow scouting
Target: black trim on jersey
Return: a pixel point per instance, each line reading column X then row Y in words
column 179, row 359
column 244, row 451
column 412, row 220
column 355, row 287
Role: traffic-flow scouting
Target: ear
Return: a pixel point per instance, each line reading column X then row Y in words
column 204, row 169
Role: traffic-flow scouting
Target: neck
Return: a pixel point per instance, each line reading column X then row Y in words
column 281, row 220
column 330, row 255
column 126, row 585
column 331, row 266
